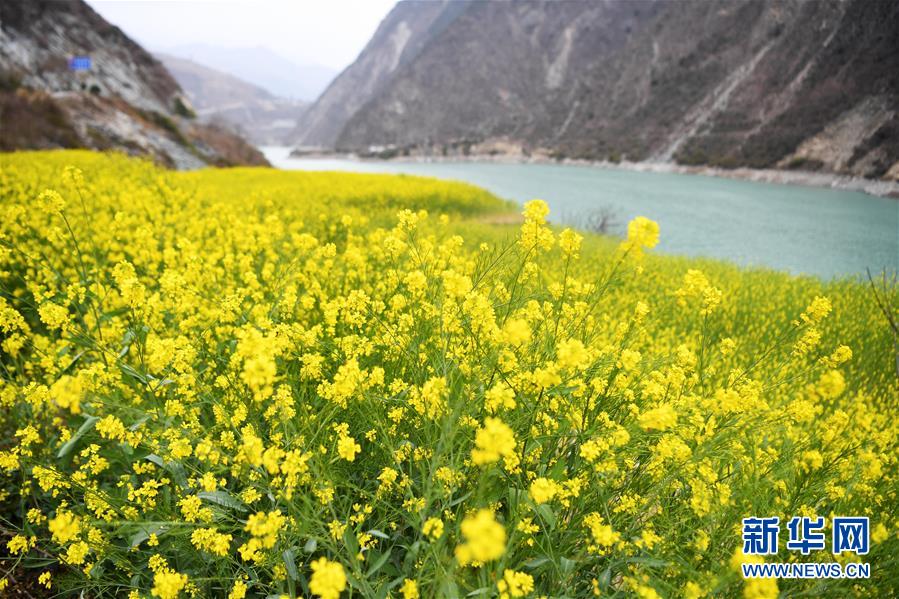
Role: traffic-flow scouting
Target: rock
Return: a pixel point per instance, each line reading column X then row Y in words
column 126, row 100
column 754, row 83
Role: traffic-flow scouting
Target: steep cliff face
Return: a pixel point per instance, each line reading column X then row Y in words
column 408, row 28
column 499, row 70
column 126, row 100
column 260, row 116
column 760, row 83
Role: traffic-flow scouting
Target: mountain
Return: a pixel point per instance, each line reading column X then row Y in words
column 397, row 41
column 262, row 67
column 758, row 83
column 125, row 100
column 260, row 116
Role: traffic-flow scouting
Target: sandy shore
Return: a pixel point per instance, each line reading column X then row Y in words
column 808, row 178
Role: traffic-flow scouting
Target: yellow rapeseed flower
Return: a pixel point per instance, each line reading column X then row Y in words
column 432, row 528
column 493, row 441
column 515, row 584
column 328, row 579
column 167, row 584
column 485, row 539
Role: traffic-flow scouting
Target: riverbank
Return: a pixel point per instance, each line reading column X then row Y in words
column 821, row 230
column 875, row 187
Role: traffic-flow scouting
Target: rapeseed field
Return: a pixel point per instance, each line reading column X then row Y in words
column 252, row 383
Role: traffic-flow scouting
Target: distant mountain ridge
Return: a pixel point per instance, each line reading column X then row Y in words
column 126, row 100
column 758, row 83
column 261, row 67
column 260, row 116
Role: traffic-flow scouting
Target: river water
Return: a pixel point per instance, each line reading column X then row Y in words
column 802, row 230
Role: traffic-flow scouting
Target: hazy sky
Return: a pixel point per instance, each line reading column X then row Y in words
column 330, row 33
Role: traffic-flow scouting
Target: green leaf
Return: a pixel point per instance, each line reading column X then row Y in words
column 34, row 563
column 173, row 468
column 72, row 363
column 394, row 583
column 138, row 538
column 140, row 422
column 378, row 533
column 411, row 555
column 378, row 564
column 82, row 430
column 459, row 500
column 134, row 373
column 290, row 562
column 177, row 472
column 126, row 343
column 449, row 588
column 605, row 578
column 352, row 544
column 536, row 562
column 354, row 583
column 558, row 470
column 546, row 514
column 567, row 565
column 144, row 534
column 223, row 498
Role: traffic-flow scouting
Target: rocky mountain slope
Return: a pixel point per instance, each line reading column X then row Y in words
column 260, row 116
column 758, row 83
column 126, row 100
column 408, row 28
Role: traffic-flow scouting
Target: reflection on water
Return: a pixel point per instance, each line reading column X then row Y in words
column 809, row 230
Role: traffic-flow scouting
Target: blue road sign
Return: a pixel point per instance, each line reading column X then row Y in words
column 80, row 63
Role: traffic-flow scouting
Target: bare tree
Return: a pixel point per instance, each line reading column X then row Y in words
column 885, row 294
column 602, row 220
